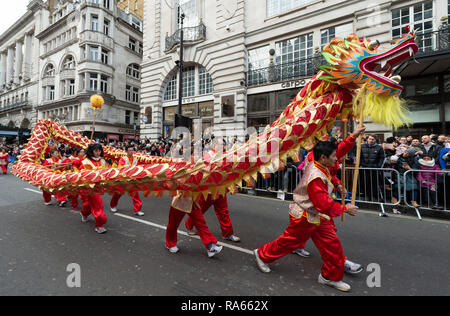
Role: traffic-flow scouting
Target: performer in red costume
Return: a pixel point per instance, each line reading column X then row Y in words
column 75, row 160
column 93, row 203
column 54, row 162
column 178, row 209
column 310, row 217
column 220, row 204
column 3, row 160
column 223, row 215
column 342, row 150
column 127, row 161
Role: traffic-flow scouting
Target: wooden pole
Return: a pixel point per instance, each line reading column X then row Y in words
column 343, row 171
column 358, row 157
column 93, row 125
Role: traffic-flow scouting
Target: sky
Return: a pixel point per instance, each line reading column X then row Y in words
column 11, row 11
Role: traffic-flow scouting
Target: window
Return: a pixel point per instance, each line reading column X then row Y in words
column 275, row 7
column 128, row 93
column 127, row 117
column 136, row 23
column 136, row 95
column 106, row 27
column 106, row 4
column 69, row 63
column 141, row 48
column 72, row 87
column 190, row 9
column 171, row 89
column 258, row 58
column 93, row 53
column 336, row 31
column 104, row 84
column 132, row 44
column 49, row 71
column 93, row 85
column 205, row 85
column 105, row 55
column 188, row 82
column 94, row 22
column 292, row 55
column 134, row 71
column 420, row 17
column 51, row 93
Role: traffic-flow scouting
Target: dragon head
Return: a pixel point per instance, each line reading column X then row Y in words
column 364, row 63
column 366, row 68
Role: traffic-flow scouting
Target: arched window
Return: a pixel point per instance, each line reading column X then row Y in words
column 196, row 81
column 49, row 71
column 68, row 63
column 134, row 70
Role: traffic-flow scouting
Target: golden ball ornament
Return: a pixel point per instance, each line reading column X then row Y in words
column 97, row 101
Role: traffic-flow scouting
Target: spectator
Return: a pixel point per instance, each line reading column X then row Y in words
column 428, row 148
column 409, row 140
column 440, row 143
column 372, row 156
column 407, row 161
column 428, row 180
column 389, row 149
column 401, row 148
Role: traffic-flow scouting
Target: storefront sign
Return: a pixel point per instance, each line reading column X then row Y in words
column 293, row 84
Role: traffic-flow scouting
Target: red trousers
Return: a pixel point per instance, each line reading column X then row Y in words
column 48, row 197
column 93, row 204
column 175, row 218
column 221, row 209
column 4, row 168
column 74, row 201
column 137, row 202
column 294, row 237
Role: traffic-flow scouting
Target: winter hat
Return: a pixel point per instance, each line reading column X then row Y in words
column 411, row 151
column 394, row 158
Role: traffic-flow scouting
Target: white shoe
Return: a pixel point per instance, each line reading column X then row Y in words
column 341, row 286
column 100, row 230
column 140, row 213
column 302, row 253
column 352, row 268
column 261, row 265
column 49, row 203
column 232, row 238
column 84, row 219
column 113, row 210
column 62, row 204
column 213, row 250
column 173, row 249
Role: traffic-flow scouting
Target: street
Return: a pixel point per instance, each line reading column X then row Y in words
column 38, row 242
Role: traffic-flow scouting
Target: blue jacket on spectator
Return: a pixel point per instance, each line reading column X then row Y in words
column 442, row 162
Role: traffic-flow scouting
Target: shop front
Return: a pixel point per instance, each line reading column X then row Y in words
column 203, row 110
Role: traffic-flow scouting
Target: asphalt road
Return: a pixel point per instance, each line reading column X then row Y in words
column 37, row 243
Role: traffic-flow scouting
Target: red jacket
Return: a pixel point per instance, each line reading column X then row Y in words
column 343, row 148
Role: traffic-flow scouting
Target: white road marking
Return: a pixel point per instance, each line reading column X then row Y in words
column 250, row 252
column 34, row 191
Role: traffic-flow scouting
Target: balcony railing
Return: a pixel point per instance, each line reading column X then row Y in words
column 436, row 41
column 191, row 35
column 14, row 106
column 299, row 69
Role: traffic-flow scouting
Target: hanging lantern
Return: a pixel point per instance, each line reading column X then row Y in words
column 97, row 101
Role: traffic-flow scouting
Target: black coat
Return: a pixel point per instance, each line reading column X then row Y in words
column 372, row 156
column 434, row 151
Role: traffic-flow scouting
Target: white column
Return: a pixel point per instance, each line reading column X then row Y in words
column 10, row 65
column 18, row 62
column 28, row 53
column 2, row 69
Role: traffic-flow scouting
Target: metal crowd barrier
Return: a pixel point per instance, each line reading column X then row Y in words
column 377, row 186
column 430, row 188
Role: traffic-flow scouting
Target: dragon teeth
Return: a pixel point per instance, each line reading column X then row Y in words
column 397, row 79
column 383, row 63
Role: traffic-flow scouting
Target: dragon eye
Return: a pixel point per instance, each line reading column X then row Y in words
column 374, row 45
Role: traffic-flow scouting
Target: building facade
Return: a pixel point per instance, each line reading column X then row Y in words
column 81, row 48
column 245, row 60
